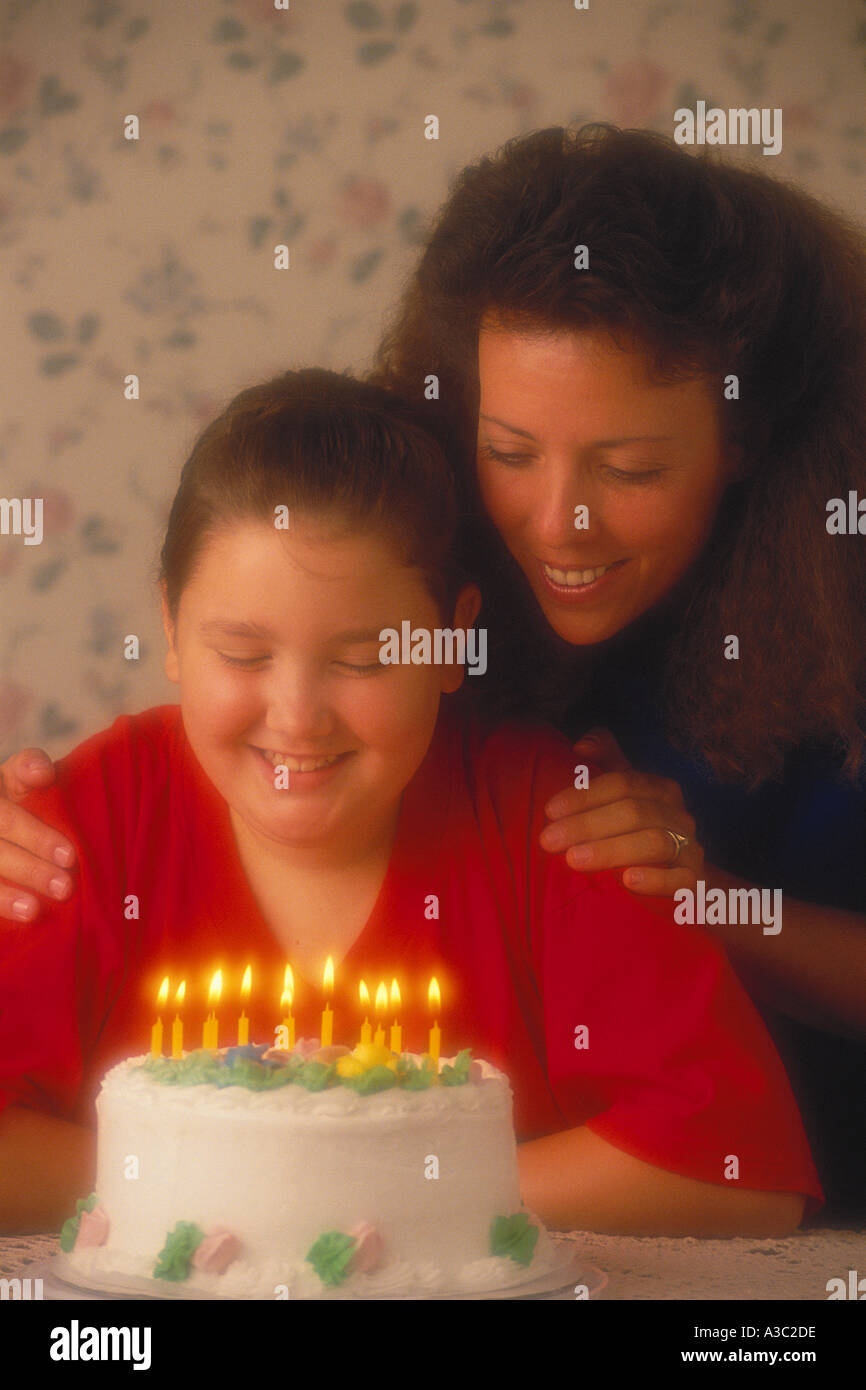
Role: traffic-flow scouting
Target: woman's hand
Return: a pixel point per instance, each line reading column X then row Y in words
column 32, row 855
column 621, row 821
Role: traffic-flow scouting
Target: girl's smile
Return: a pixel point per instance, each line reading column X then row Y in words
column 285, row 703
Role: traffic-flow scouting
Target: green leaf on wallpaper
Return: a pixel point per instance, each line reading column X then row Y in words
column 12, row 138
column 46, row 326
column 498, row 28
column 228, row 29
column 45, row 575
column 57, row 362
column 101, row 12
column 775, row 32
column 364, row 15
column 52, row 723
column 285, row 64
column 182, row 338
column 135, row 28
column 96, row 537
column 362, row 268
column 375, row 52
column 53, row 99
column 240, row 60
column 405, row 16
column 409, row 223
column 88, row 327
column 257, row 229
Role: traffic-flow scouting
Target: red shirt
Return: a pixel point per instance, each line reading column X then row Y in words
column 600, row 1008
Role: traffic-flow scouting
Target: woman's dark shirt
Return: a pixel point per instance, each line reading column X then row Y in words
column 805, row 834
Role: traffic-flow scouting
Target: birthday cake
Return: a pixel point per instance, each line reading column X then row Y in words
column 250, row 1174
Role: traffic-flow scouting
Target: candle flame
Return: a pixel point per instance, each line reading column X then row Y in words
column 289, row 980
column 216, row 989
column 365, row 996
column 162, row 994
column 246, row 984
column 381, row 998
column 395, row 996
column 180, row 995
column 328, row 976
column 434, row 998
column 286, row 999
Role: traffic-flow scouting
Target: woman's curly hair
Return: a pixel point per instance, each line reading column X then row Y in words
column 712, row 268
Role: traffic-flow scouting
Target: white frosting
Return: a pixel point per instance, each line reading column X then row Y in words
column 279, row 1168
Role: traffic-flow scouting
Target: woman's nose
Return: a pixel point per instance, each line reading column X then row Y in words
column 565, row 509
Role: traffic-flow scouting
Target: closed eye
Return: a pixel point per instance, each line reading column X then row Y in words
column 513, row 460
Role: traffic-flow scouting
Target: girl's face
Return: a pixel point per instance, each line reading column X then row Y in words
column 569, row 420
column 276, row 651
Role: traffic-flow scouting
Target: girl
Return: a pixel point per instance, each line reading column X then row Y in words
column 647, row 1094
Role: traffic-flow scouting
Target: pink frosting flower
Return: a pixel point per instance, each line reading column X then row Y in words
column 92, row 1229
column 634, row 91
column 476, row 1072
column 367, row 1254
column 14, row 700
column 216, row 1252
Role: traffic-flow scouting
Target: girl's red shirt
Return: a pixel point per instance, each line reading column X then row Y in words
column 601, row 1009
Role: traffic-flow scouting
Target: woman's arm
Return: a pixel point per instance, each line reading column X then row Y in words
column 814, row 969
column 45, row 1165
column 576, row 1181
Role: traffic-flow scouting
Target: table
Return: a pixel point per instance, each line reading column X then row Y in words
column 794, row 1268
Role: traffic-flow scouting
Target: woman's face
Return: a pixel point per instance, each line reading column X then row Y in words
column 568, row 420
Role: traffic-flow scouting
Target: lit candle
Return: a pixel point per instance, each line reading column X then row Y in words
column 243, row 1021
column 287, row 998
column 381, row 1008
column 328, row 1013
column 435, row 1001
column 210, row 1034
column 156, row 1030
column 177, row 1026
column 366, row 1030
column 396, row 1030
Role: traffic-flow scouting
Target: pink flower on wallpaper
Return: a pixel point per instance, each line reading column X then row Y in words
column 16, row 81
column 521, row 96
column 634, row 91
column 159, row 115
column 799, row 116
column 364, row 202
column 58, row 509
column 263, row 12
column 14, row 702
column 205, row 408
column 9, row 557
column 322, row 251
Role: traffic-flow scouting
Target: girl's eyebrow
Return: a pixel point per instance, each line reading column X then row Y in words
column 218, row 627
column 598, row 444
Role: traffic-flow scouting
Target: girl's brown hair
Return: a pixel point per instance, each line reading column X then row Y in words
column 711, row 268
column 321, row 442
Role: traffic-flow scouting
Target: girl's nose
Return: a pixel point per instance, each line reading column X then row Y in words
column 298, row 710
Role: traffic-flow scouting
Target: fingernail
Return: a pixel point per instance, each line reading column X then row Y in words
column 633, row 878
column 551, row 838
column 580, row 856
column 36, row 764
column 57, row 888
column 23, row 908
column 63, row 856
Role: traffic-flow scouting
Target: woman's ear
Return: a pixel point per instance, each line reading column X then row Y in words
column 172, row 669
column 466, row 610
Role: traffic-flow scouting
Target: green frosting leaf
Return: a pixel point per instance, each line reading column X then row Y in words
column 514, row 1237
column 173, row 1260
column 372, row 1080
column 458, row 1073
column 413, row 1077
column 314, row 1076
column 330, row 1256
column 69, row 1229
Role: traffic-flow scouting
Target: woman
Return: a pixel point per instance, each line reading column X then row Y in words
column 650, row 365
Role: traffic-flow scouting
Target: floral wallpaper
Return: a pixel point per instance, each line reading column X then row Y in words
column 260, row 125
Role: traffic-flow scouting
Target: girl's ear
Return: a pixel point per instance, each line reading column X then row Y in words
column 172, row 669
column 466, row 610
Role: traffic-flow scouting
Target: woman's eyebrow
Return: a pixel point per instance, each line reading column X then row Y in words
column 597, row 443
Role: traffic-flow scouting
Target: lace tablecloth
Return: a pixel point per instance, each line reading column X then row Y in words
column 795, row 1268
